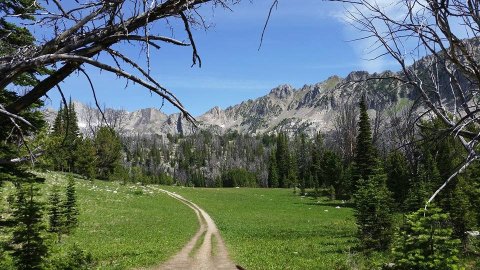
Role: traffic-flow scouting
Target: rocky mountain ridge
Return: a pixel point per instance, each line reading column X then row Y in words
column 308, row 109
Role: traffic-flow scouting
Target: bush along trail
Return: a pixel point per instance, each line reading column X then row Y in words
column 206, row 250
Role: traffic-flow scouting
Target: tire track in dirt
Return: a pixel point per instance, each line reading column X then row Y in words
column 206, row 249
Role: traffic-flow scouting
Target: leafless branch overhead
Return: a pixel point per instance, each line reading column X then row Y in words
column 80, row 32
column 448, row 79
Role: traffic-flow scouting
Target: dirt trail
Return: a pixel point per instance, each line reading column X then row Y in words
column 206, row 250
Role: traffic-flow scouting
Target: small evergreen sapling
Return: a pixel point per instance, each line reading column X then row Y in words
column 29, row 249
column 70, row 206
column 425, row 242
column 365, row 153
column 55, row 216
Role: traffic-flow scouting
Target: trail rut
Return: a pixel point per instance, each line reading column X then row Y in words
column 206, row 249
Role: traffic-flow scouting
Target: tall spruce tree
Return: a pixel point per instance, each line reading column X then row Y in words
column 71, row 136
column 292, row 170
column 67, row 135
column 283, row 159
column 364, row 160
column 272, row 170
column 70, row 210
column 303, row 164
column 373, row 200
column 316, row 155
column 398, row 176
column 373, row 212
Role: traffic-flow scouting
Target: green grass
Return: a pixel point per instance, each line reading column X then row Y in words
column 198, row 244
column 275, row 229
column 128, row 226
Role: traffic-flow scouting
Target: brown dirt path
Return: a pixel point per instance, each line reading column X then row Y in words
column 206, row 250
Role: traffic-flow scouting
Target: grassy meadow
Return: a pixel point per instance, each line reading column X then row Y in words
column 275, row 229
column 133, row 226
column 126, row 226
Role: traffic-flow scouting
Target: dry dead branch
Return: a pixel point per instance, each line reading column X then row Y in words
column 437, row 47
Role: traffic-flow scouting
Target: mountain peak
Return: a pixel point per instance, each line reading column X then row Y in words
column 357, row 76
column 214, row 111
column 331, row 82
column 282, row 91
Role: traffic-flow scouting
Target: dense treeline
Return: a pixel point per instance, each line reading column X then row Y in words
column 70, row 151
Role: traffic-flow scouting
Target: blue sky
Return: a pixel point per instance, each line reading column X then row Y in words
column 306, row 42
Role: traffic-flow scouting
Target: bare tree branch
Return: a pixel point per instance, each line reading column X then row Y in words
column 274, row 4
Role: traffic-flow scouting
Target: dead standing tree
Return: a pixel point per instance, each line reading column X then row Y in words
column 83, row 32
column 447, row 81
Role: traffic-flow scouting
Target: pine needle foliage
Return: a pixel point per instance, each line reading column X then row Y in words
column 364, row 161
column 373, row 213
column 55, row 214
column 29, row 249
column 425, row 242
column 70, row 206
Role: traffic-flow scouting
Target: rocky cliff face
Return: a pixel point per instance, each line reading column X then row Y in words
column 309, row 109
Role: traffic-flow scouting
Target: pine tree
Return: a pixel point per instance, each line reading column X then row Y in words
column 425, row 242
column 283, row 160
column 70, row 210
column 398, row 176
column 71, row 136
column 364, row 151
column 332, row 171
column 85, row 162
column 29, row 249
column 272, row 170
column 373, row 213
column 316, row 154
column 57, row 153
column 292, row 170
column 108, row 146
column 58, row 122
column 66, row 132
column 55, row 215
column 303, row 164
column 373, row 200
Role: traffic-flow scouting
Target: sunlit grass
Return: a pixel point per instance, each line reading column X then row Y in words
column 128, row 226
column 275, row 229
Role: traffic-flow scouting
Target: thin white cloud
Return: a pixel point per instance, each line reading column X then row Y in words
column 367, row 48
